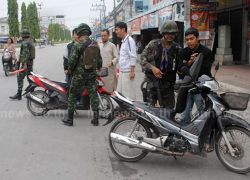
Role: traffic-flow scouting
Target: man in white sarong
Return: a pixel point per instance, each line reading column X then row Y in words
column 109, row 55
column 127, row 62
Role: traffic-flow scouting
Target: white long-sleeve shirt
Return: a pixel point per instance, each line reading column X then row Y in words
column 127, row 54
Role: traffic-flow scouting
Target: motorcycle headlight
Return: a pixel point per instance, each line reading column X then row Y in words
column 213, row 85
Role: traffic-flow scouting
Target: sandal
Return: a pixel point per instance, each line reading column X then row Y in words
column 209, row 148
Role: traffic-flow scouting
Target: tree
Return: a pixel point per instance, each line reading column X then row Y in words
column 24, row 20
column 13, row 18
column 58, row 33
column 33, row 21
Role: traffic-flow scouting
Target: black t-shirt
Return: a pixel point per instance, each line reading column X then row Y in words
column 208, row 60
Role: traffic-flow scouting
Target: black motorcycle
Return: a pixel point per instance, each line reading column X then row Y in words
column 151, row 129
column 7, row 59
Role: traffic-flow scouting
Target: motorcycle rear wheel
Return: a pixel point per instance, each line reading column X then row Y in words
column 239, row 138
column 36, row 109
column 124, row 152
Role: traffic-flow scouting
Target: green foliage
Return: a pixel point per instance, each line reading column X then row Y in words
column 24, row 20
column 13, row 18
column 58, row 33
column 33, row 21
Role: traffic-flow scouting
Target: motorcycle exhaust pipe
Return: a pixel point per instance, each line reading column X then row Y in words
column 142, row 145
column 131, row 142
column 35, row 99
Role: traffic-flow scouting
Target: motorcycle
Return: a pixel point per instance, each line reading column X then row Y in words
column 151, row 129
column 54, row 96
column 8, row 65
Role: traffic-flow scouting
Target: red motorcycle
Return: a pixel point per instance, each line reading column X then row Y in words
column 54, row 96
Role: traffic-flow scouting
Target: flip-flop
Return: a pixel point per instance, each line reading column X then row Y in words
column 209, row 148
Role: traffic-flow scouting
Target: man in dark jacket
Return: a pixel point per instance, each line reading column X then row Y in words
column 66, row 56
column 187, row 58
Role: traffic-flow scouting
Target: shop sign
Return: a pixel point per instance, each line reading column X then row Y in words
column 165, row 14
column 153, row 20
column 200, row 19
column 136, row 26
column 144, row 22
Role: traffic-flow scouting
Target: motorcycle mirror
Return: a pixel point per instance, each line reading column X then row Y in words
column 217, row 67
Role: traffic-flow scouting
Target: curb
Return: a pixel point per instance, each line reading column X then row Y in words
column 231, row 88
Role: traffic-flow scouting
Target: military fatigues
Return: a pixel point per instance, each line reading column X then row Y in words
column 27, row 55
column 82, row 76
column 167, row 61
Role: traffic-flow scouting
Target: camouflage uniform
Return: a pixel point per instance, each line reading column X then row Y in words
column 82, row 77
column 27, row 54
column 25, row 59
column 154, row 55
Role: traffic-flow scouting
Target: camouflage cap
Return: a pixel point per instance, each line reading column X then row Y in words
column 25, row 33
column 169, row 27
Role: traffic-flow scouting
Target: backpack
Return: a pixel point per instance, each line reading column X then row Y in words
column 91, row 55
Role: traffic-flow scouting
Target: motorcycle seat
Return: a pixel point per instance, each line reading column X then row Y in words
column 163, row 113
column 63, row 84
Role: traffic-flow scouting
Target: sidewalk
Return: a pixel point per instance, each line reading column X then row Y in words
column 234, row 77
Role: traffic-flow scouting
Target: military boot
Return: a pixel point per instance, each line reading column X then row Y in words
column 95, row 121
column 17, row 96
column 68, row 118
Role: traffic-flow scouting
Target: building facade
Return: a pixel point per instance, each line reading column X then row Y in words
column 4, row 27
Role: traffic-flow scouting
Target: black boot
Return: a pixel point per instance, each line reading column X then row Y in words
column 17, row 96
column 68, row 119
column 95, row 121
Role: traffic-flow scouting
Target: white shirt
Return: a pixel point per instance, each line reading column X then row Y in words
column 127, row 54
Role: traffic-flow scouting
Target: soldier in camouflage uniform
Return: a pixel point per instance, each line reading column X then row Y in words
column 159, row 61
column 84, row 59
column 27, row 55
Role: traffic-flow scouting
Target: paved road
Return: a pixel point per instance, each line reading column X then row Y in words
column 41, row 148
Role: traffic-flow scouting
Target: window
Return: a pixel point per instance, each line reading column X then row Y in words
column 3, row 29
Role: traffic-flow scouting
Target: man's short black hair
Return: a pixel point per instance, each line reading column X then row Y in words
column 106, row 30
column 193, row 31
column 121, row 25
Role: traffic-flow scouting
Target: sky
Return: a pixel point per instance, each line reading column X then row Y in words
column 75, row 11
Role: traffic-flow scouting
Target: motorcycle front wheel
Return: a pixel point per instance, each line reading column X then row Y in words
column 123, row 127
column 239, row 138
column 34, row 108
column 105, row 106
column 6, row 71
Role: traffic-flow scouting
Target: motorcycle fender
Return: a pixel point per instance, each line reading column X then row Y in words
column 102, row 90
column 233, row 120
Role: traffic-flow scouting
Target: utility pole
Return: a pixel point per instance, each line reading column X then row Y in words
column 101, row 7
column 130, row 8
column 51, row 18
column 39, row 16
